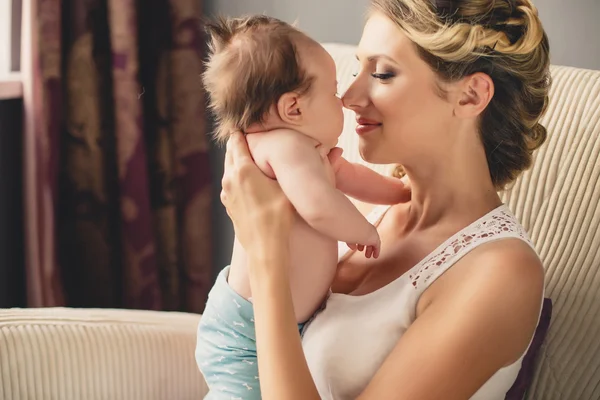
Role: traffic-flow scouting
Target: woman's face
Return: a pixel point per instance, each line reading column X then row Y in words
column 400, row 114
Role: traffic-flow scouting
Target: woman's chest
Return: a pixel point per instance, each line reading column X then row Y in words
column 346, row 343
column 400, row 252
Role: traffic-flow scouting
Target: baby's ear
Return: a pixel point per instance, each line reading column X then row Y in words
column 289, row 109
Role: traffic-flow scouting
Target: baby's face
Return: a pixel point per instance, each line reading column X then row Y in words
column 323, row 116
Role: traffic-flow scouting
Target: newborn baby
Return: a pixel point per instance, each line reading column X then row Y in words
column 278, row 86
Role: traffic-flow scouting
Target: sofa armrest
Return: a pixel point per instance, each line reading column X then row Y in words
column 93, row 354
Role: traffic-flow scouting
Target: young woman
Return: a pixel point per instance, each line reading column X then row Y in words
column 452, row 91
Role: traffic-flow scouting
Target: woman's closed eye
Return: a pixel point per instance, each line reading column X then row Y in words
column 383, row 76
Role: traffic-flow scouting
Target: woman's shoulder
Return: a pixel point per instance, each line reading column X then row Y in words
column 492, row 298
column 510, row 259
column 498, row 243
column 506, row 251
column 507, row 268
column 501, row 270
column 505, row 256
column 501, row 282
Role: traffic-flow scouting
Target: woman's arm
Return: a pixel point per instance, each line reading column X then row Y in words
column 262, row 217
column 480, row 318
column 282, row 367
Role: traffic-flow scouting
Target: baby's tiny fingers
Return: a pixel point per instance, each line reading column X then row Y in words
column 376, row 252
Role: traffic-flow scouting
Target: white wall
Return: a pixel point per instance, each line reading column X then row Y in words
column 572, row 27
column 324, row 20
column 573, row 30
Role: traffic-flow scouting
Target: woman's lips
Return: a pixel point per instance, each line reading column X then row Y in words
column 365, row 126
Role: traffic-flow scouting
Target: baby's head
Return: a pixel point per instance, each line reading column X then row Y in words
column 264, row 74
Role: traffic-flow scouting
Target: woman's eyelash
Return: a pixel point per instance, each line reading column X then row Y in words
column 383, row 77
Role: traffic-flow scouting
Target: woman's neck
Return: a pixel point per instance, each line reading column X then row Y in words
column 460, row 190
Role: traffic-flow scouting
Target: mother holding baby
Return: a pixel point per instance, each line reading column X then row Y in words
column 452, row 90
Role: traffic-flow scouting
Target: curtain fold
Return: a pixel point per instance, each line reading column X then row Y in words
column 117, row 180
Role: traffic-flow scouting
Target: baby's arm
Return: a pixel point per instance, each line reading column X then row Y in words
column 364, row 184
column 300, row 171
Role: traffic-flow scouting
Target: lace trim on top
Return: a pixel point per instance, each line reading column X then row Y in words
column 499, row 223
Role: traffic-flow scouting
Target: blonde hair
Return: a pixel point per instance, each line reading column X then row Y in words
column 502, row 38
column 252, row 62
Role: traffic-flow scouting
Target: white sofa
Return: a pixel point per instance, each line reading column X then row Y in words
column 70, row 354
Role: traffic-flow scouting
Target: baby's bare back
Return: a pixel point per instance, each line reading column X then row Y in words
column 313, row 255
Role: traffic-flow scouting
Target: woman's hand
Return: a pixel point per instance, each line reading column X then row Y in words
column 262, row 215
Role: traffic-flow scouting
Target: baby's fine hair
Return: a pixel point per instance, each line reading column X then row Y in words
column 252, row 62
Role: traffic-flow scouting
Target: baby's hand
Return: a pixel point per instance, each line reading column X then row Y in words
column 371, row 247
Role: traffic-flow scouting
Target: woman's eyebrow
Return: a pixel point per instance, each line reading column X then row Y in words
column 375, row 57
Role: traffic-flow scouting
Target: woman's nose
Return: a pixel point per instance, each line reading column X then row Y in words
column 356, row 96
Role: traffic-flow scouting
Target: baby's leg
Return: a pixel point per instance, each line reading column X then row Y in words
column 226, row 345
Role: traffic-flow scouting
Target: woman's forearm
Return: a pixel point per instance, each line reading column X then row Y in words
column 282, row 366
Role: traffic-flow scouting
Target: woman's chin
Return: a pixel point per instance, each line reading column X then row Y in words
column 369, row 153
column 363, row 153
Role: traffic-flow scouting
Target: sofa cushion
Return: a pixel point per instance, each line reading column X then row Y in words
column 93, row 354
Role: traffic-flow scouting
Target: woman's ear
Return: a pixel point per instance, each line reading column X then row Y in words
column 475, row 93
column 288, row 108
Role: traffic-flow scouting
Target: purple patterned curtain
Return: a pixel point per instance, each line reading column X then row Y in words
column 116, row 156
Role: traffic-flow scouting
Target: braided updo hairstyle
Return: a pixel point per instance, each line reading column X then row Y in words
column 501, row 38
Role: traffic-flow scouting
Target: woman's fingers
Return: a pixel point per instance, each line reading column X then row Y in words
column 255, row 203
column 238, row 146
column 228, row 154
column 243, row 167
column 228, row 168
column 232, row 161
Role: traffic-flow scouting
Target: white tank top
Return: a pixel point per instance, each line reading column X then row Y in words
column 348, row 340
